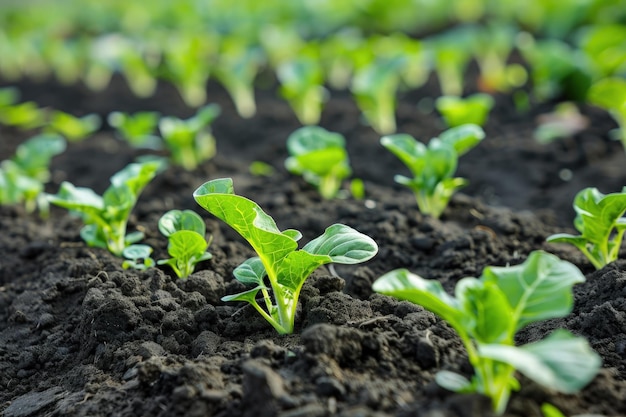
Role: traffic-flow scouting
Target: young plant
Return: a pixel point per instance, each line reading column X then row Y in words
column 106, row 216
column 433, row 166
column 137, row 257
column 452, row 54
column 320, row 157
column 26, row 115
column 187, row 247
column 190, row 141
column 302, row 80
column 23, row 177
column 488, row 312
column 600, row 221
column 73, row 128
column 457, row 111
column 374, row 87
column 610, row 94
column 137, row 129
column 279, row 262
column 236, row 69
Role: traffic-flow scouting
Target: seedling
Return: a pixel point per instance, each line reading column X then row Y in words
column 374, row 88
column 610, row 94
column 320, row 157
column 137, row 129
column 190, row 141
column 23, row 177
column 137, row 257
column 452, row 54
column 106, row 216
column 600, row 223
column 71, row 127
column 187, row 247
column 489, row 311
column 236, row 69
column 457, row 111
column 302, row 80
column 26, row 115
column 279, row 262
column 433, row 166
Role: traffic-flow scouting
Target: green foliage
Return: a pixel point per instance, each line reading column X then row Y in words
column 320, row 157
column 610, row 94
column 26, row 115
column 71, row 127
column 137, row 129
column 8, row 96
column 605, row 45
column 600, row 221
column 279, row 261
column 187, row 247
column 190, row 141
column 374, row 87
column 106, row 217
column 457, row 111
column 489, row 311
column 302, row 84
column 137, row 257
column 433, row 166
column 452, row 54
column 22, row 178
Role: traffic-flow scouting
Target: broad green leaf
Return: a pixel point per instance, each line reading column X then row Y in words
column 175, row 220
column 343, row 244
column 184, row 245
column 295, row 268
column 250, row 272
column 137, row 252
column 597, row 213
column 80, row 199
column 34, row 155
column 561, row 361
column 404, row 285
column 538, row 289
column 609, row 93
column 247, row 219
column 488, row 311
column 320, row 162
column 465, row 137
column 411, row 152
column 136, row 176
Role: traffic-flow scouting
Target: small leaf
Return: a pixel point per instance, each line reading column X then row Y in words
column 251, row 271
column 454, row 382
column 135, row 252
column 343, row 244
column 463, row 138
column 176, row 220
column 184, row 244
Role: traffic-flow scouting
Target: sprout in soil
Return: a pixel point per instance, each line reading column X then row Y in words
column 433, row 166
column 320, row 157
column 73, row 128
column 489, row 311
column 137, row 129
column 600, row 223
column 457, row 111
column 187, row 246
column 137, row 257
column 279, row 262
column 106, row 216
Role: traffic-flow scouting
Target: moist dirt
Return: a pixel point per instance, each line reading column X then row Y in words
column 80, row 336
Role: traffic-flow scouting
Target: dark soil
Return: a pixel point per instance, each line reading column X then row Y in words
column 80, row 336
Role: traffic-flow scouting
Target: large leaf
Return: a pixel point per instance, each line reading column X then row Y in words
column 538, row 289
column 404, row 285
column 246, row 218
column 343, row 244
column 561, row 361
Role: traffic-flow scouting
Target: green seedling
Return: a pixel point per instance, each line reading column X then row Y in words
column 279, row 262
column 137, row 129
column 433, row 166
column 416, row 58
column 190, row 141
column 73, row 128
column 236, row 69
column 451, row 55
column 610, row 94
column 302, row 80
column 26, row 115
column 600, row 221
column 457, row 111
column 137, row 257
column 374, row 87
column 320, row 157
column 489, row 311
column 605, row 45
column 336, row 54
column 187, row 246
column 23, row 177
column 106, row 217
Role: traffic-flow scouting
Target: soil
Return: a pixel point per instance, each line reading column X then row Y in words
column 80, row 336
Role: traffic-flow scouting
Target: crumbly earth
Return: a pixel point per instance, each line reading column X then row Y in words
column 80, row 336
